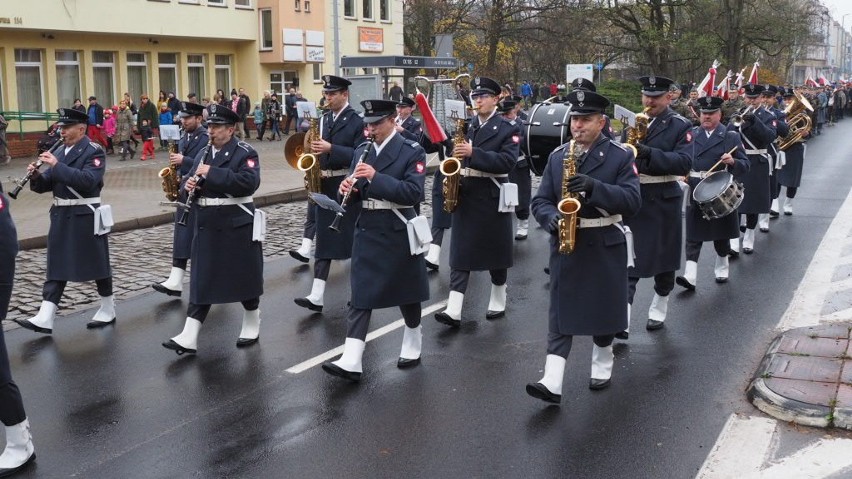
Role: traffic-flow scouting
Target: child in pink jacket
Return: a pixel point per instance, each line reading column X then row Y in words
column 109, row 129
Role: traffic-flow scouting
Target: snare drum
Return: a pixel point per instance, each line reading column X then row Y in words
column 718, row 195
column 548, row 128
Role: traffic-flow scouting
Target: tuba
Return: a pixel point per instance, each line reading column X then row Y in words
column 170, row 177
column 636, row 134
column 297, row 154
column 569, row 205
column 798, row 120
column 451, row 169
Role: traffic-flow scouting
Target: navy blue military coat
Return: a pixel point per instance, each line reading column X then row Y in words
column 481, row 236
column 791, row 175
column 384, row 273
column 588, row 288
column 74, row 253
column 8, row 251
column 412, row 129
column 705, row 153
column 520, row 174
column 190, row 145
column 344, row 134
column 757, row 135
column 227, row 266
column 657, row 230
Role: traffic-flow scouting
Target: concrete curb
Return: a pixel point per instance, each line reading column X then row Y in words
column 163, row 218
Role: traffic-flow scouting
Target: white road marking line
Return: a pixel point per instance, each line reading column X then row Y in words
column 319, row 359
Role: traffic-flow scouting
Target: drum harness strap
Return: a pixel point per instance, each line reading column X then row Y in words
column 755, row 151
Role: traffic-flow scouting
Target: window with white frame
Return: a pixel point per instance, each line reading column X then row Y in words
column 265, row 29
column 167, row 64
column 68, row 77
column 384, row 10
column 137, row 74
column 307, row 6
column 276, row 83
column 297, row 5
column 367, row 11
column 103, row 74
column 317, row 72
column 242, row 3
column 216, row 3
column 349, row 8
column 195, row 68
column 28, row 73
column 223, row 72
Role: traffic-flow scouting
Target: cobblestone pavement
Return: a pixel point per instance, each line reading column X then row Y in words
column 142, row 257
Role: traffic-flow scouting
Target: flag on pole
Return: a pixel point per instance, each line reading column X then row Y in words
column 433, row 128
column 722, row 89
column 822, row 80
column 810, row 82
column 705, row 88
column 753, row 77
column 740, row 79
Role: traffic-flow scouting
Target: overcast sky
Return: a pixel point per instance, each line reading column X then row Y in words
column 838, row 8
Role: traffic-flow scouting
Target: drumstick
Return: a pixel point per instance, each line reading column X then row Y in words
column 720, row 161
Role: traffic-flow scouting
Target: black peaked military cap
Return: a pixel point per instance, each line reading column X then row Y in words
column 581, row 83
column 70, row 116
column 709, row 104
column 190, row 109
column 406, row 102
column 752, row 90
column 221, row 115
column 769, row 90
column 485, row 86
column 655, row 86
column 333, row 83
column 586, row 103
column 377, row 110
column 506, row 105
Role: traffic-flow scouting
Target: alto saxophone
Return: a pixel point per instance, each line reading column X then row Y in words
column 451, row 169
column 308, row 163
column 170, row 176
column 636, row 134
column 569, row 205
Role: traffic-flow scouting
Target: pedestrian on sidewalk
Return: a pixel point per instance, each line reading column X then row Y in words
column 124, row 130
column 274, row 113
column 96, row 121
column 19, row 451
column 5, row 157
column 259, row 118
column 109, row 130
column 165, row 119
column 147, row 134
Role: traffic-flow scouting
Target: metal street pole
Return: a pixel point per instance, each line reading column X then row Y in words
column 845, row 43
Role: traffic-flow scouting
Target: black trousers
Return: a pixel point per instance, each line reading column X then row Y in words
column 791, row 191
column 560, row 344
column 437, row 236
column 53, row 289
column 310, row 221
column 663, row 284
column 322, row 268
column 751, row 222
column 358, row 320
column 459, row 278
column 180, row 263
column 200, row 311
column 11, row 405
column 693, row 249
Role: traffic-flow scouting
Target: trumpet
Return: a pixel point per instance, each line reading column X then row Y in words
column 737, row 118
column 26, row 179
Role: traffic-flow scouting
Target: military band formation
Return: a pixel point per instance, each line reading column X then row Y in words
column 613, row 209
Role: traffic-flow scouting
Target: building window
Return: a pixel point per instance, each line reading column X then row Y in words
column 223, row 72
column 368, row 9
column 266, row 29
column 137, row 75
column 307, row 6
column 242, row 3
column 195, row 67
column 216, row 3
column 349, row 8
column 317, row 72
column 103, row 73
column 193, row 2
column 347, row 71
column 168, row 71
column 384, row 10
column 28, row 74
column 68, row 77
column 298, row 6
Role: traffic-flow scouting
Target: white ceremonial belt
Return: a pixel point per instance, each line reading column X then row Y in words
column 599, row 222
column 224, row 201
column 333, row 173
column 382, row 205
column 645, row 179
column 482, row 174
column 756, row 152
column 76, row 201
column 698, row 174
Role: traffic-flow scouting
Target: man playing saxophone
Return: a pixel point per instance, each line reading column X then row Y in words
column 190, row 145
column 663, row 157
column 588, row 286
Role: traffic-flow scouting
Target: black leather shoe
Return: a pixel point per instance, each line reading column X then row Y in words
column 748, row 250
column 764, row 230
column 6, row 472
column 162, row 289
column 180, row 350
column 336, row 370
column 547, row 270
column 404, row 363
column 245, row 342
column 445, row 318
column 598, row 384
column 733, row 254
column 682, row 281
column 622, row 335
column 430, row 265
column 99, row 324
column 653, row 325
column 24, row 323
column 539, row 391
column 306, row 303
column 773, row 214
column 788, row 213
column 298, row 256
column 520, row 237
column 721, row 280
column 494, row 314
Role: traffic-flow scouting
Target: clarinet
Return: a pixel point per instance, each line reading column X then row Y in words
column 26, row 179
column 199, row 180
column 335, row 224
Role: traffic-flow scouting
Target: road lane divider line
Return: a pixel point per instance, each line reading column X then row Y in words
column 319, row 359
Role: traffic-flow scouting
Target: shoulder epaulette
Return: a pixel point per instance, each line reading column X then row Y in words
column 618, row 144
column 96, row 146
column 682, row 118
column 560, row 147
column 412, row 143
column 244, row 146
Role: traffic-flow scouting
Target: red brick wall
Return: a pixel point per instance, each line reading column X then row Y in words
column 21, row 148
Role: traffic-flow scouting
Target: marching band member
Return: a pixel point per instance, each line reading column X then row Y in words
column 510, row 108
column 388, row 183
column 481, row 237
column 581, row 83
column 758, row 131
column 19, row 451
column 192, row 142
column 663, row 157
column 770, row 102
column 341, row 129
column 791, row 175
column 74, row 253
column 588, row 287
column 711, row 142
column 227, row 264
column 405, row 124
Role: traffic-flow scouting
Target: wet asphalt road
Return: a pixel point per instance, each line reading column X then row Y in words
column 114, row 403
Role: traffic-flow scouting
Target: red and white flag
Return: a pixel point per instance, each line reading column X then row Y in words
column 810, row 82
column 753, row 77
column 822, row 80
column 433, row 128
column 705, row 88
column 740, row 80
column 722, row 89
